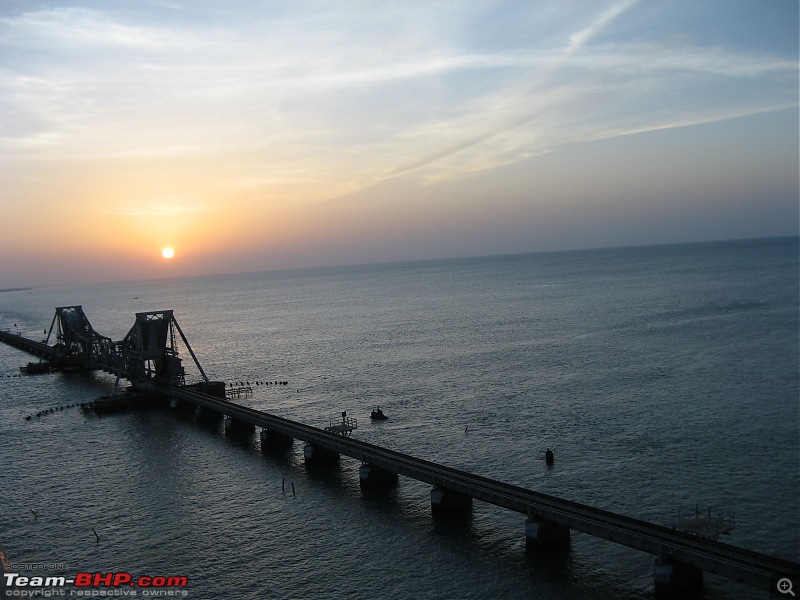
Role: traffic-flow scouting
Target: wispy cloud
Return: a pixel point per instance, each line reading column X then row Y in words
column 157, row 207
column 511, row 123
column 331, row 99
column 75, row 28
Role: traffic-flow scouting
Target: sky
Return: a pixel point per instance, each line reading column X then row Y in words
column 259, row 135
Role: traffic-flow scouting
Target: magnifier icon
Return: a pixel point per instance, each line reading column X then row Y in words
column 785, row 586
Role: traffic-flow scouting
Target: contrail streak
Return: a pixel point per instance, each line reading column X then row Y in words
column 576, row 42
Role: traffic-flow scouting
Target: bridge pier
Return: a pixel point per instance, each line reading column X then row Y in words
column 674, row 578
column 445, row 501
column 180, row 405
column 273, row 439
column 541, row 533
column 370, row 475
column 318, row 454
column 204, row 413
column 233, row 425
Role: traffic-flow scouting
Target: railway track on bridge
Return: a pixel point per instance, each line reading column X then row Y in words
column 710, row 555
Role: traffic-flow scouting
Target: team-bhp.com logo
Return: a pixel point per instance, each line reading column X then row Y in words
column 95, row 584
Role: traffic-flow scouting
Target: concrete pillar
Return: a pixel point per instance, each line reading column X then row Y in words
column 233, row 425
column 671, row 577
column 370, row 475
column 206, row 414
column 447, row 501
column 180, row 405
column 273, row 439
column 540, row 533
column 318, row 454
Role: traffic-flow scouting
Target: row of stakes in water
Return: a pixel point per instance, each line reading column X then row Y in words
column 55, row 409
column 243, row 383
column 48, row 411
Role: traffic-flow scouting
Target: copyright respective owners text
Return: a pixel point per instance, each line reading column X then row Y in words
column 27, row 582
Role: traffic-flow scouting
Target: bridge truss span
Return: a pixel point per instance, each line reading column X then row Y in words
column 149, row 351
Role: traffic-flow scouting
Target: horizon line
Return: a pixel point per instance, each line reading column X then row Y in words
column 795, row 236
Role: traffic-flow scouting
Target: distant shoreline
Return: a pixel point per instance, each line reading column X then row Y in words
column 14, row 289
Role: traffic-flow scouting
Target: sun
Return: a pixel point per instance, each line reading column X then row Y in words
column 168, row 253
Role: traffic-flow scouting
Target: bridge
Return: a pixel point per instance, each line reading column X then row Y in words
column 148, row 353
column 148, row 358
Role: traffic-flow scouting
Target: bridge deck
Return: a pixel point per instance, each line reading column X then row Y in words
column 710, row 555
column 39, row 349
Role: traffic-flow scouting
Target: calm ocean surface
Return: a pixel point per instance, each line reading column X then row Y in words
column 661, row 377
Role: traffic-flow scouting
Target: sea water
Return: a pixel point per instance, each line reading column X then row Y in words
column 662, row 377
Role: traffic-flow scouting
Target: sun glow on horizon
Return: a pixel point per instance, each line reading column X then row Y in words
column 379, row 133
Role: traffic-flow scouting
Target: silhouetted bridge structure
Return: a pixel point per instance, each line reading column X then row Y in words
column 148, row 358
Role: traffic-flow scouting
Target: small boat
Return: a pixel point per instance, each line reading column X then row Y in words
column 377, row 414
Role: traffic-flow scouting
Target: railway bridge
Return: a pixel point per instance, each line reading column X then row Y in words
column 148, row 353
column 148, row 358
